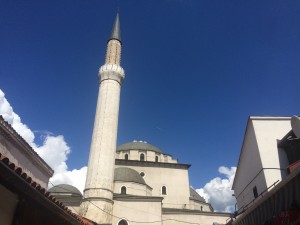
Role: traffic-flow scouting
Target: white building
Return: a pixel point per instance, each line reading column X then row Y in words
column 149, row 186
column 261, row 162
column 267, row 179
column 148, row 179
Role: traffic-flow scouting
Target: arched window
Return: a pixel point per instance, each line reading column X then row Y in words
column 163, row 190
column 123, row 222
column 142, row 157
column 123, row 190
column 156, row 158
column 126, row 156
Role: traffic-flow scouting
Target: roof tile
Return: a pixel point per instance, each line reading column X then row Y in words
column 40, row 189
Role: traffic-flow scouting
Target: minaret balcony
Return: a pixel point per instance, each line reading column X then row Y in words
column 111, row 72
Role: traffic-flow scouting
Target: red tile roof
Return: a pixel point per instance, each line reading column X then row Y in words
column 18, row 172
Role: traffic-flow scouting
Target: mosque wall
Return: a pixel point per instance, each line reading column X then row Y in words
column 195, row 205
column 140, row 210
column 132, row 188
column 175, row 180
column 174, row 218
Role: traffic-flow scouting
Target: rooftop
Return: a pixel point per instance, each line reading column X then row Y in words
column 64, row 188
column 128, row 175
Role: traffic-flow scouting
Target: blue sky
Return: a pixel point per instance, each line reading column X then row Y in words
column 195, row 70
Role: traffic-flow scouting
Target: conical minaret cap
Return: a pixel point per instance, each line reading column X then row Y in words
column 116, row 32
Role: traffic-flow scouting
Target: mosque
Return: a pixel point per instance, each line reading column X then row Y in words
column 136, row 182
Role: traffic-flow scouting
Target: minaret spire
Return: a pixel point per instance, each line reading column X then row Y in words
column 97, row 204
column 116, row 32
column 114, row 44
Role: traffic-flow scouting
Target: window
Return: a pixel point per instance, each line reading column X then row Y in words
column 126, row 157
column 156, row 158
column 123, row 190
column 201, row 208
column 255, row 192
column 123, row 222
column 142, row 174
column 163, row 190
column 142, row 157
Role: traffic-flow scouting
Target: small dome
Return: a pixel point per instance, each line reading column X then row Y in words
column 65, row 189
column 128, row 175
column 138, row 145
column 195, row 196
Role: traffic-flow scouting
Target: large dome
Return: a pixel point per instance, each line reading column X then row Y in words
column 128, row 175
column 65, row 189
column 138, row 145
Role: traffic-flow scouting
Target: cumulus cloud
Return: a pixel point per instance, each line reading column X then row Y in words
column 218, row 191
column 54, row 149
column 73, row 177
column 14, row 120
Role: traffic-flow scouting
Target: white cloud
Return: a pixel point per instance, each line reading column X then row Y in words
column 218, row 191
column 74, row 177
column 12, row 118
column 54, row 149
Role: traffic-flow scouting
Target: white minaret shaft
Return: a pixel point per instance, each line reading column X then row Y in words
column 98, row 193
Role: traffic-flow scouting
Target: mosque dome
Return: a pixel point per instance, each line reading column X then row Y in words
column 65, row 189
column 138, row 145
column 128, row 175
column 195, row 196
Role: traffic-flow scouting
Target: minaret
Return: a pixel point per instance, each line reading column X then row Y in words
column 98, row 192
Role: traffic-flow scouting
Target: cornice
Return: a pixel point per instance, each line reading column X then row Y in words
column 122, row 182
column 194, row 212
column 196, row 200
column 270, row 117
column 151, row 164
column 137, row 198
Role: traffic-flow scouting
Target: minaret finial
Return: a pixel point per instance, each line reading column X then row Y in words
column 116, row 32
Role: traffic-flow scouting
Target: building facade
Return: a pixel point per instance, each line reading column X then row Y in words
column 267, row 180
column 149, row 186
column 260, row 158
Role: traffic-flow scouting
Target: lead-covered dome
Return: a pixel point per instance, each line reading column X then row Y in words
column 138, row 145
column 128, row 175
column 65, row 189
